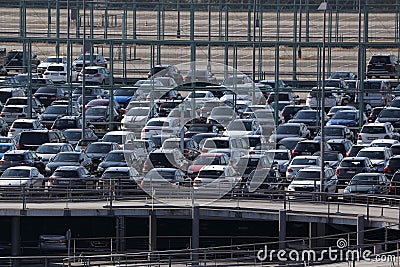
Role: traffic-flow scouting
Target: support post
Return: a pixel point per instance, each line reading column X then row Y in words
column 282, row 229
column 152, row 231
column 15, row 238
column 317, row 230
column 120, row 233
column 360, row 230
column 195, row 234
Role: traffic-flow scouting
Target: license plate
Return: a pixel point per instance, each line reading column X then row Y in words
column 306, row 153
column 42, row 97
column 63, row 182
column 371, row 138
column 351, row 171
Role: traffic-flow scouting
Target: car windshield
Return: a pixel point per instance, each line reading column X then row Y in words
column 47, row 90
column 138, row 112
column 306, row 115
column 73, row 136
column 373, row 129
column 115, row 174
column 13, row 157
column 15, row 173
column 4, row 148
column 206, row 160
column 65, row 173
column 160, row 174
column 53, row 60
column 210, row 174
column 281, row 155
column 98, row 148
column 116, row 138
column 390, row 113
column 240, row 126
column 125, row 92
column 48, row 149
column 157, row 123
column 307, row 175
column 22, row 125
column 288, row 129
column 197, row 95
column 65, row 123
column 223, row 111
column 343, row 115
column 216, row 144
column 96, row 112
column 56, row 110
column 352, row 163
column 371, row 154
column 12, row 109
column 55, row 68
column 66, row 157
column 115, row 157
column 364, row 180
column 301, row 161
column 171, row 144
column 333, row 131
column 87, row 57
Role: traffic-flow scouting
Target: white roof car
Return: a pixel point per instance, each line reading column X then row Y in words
column 50, row 60
column 95, row 74
column 21, row 125
column 383, row 142
column 158, row 126
column 216, row 177
column 300, row 162
column 22, row 176
column 58, row 73
column 372, row 131
column 308, row 180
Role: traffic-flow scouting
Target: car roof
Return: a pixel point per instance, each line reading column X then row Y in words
column 213, row 168
column 68, row 168
column 375, row 148
column 117, row 169
column 354, row 158
column 17, row 152
column 119, row 133
column 338, row 140
column 376, row 124
column 22, row 167
column 306, row 157
column 25, row 120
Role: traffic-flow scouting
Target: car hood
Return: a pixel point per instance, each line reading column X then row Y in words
column 302, row 120
column 281, row 136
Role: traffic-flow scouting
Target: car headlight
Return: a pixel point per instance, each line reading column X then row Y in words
column 346, row 191
column 290, row 188
column 100, row 169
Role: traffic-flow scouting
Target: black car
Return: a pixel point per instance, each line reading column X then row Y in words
column 374, row 113
column 166, row 71
column 350, row 166
column 74, row 135
column 71, row 177
column 21, row 158
column 341, row 145
column 290, row 111
column 120, row 158
column 164, row 108
column 70, row 158
column 169, row 158
column 395, row 183
column 383, row 65
column 98, row 150
column 101, row 114
column 34, row 138
column 309, row 147
column 203, row 128
column 48, row 94
column 89, row 92
column 67, row 122
column 16, row 58
column 51, row 113
column 392, row 166
column 355, row 148
column 367, row 183
column 23, row 100
column 262, row 180
column 311, row 118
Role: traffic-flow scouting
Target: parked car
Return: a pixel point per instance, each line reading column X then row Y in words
column 374, row 113
column 309, row 147
column 336, row 132
column 222, row 115
column 136, row 118
column 23, row 100
column 21, row 157
column 200, row 75
column 119, row 137
column 51, row 113
column 299, row 162
column 48, row 150
column 71, row 177
column 89, row 60
column 42, row 67
column 335, row 109
column 248, row 163
column 69, row 158
column 15, row 60
column 33, row 139
column 4, row 147
column 290, row 111
column 98, row 150
column 390, row 114
column 169, row 158
column 372, row 131
column 341, row 145
column 395, row 183
column 308, row 180
column 350, row 166
column 285, row 130
column 379, row 156
column 367, row 183
column 15, row 178
column 158, row 126
column 47, row 94
column 311, row 118
column 383, row 65
column 120, row 158
column 122, row 179
column 21, row 125
column 166, row 70
column 13, row 112
column 95, row 75
column 190, row 148
column 216, row 177
column 74, row 135
column 349, row 118
column 58, row 73
column 205, row 159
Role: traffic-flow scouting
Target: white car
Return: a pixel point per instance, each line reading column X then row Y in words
column 300, row 162
column 216, row 177
column 21, row 125
column 95, row 74
column 161, row 126
column 90, row 60
column 13, row 112
column 383, row 142
column 21, row 176
column 136, row 118
column 42, row 67
column 308, row 180
column 199, row 98
column 58, row 73
column 377, row 130
column 240, row 127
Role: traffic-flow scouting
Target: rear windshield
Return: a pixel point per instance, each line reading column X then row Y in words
column 307, row 147
column 352, row 163
column 22, row 125
column 380, row 59
column 13, row 157
column 98, row 148
column 55, row 68
column 216, row 144
column 12, row 109
column 373, row 129
column 115, row 174
column 66, row 174
column 210, row 174
column 47, row 90
column 34, row 138
column 394, row 163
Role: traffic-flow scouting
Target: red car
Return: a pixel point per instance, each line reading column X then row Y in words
column 206, row 159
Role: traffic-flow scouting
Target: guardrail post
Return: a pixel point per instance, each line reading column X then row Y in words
column 282, row 229
column 152, row 232
column 15, row 239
